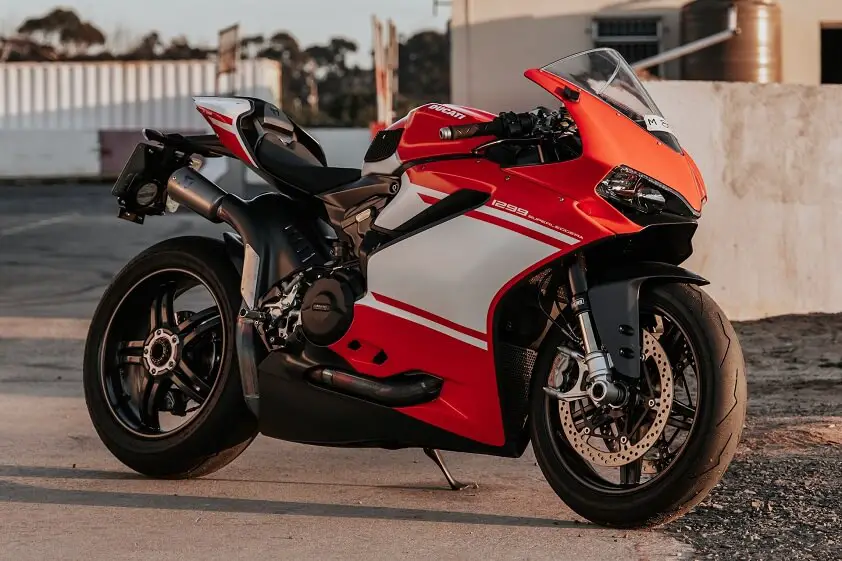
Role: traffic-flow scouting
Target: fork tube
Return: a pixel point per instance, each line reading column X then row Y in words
column 596, row 360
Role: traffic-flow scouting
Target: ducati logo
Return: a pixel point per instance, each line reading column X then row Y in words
column 447, row 111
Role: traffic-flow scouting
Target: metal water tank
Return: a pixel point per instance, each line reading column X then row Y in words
column 754, row 55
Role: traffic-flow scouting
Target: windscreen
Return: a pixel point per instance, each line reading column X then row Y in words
column 606, row 74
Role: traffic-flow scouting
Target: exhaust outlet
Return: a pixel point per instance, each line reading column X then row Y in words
column 190, row 188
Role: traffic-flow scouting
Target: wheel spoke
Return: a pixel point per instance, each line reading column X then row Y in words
column 630, row 473
column 189, row 383
column 199, row 324
column 146, row 393
column 130, row 352
column 162, row 313
column 686, row 411
column 679, row 424
column 687, row 389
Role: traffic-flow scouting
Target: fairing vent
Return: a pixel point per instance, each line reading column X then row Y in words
column 515, row 366
column 385, row 144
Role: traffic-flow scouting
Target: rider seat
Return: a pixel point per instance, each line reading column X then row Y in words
column 294, row 165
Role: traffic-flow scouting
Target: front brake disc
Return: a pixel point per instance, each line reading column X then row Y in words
column 585, row 441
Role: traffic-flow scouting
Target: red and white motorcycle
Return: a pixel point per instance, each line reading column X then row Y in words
column 482, row 283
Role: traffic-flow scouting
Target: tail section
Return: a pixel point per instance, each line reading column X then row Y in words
column 224, row 115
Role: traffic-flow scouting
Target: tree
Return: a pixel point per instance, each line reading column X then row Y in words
column 287, row 45
column 180, row 49
column 146, row 49
column 297, row 69
column 250, row 44
column 424, row 67
column 63, row 30
column 80, row 38
column 333, row 57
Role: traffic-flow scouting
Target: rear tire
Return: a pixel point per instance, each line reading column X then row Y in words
column 224, row 426
column 710, row 446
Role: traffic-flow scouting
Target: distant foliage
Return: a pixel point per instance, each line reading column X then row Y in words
column 320, row 87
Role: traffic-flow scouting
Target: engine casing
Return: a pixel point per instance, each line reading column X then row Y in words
column 327, row 309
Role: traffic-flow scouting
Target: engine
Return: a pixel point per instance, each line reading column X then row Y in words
column 327, row 308
column 315, row 306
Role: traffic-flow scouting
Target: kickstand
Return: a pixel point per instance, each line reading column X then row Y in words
column 435, row 455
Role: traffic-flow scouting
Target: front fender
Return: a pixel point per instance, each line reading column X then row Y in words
column 613, row 300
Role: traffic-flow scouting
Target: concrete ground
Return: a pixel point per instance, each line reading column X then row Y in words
column 63, row 496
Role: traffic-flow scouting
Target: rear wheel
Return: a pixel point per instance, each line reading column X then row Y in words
column 654, row 458
column 160, row 370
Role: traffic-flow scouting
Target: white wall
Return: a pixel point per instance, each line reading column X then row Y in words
column 801, row 36
column 769, row 236
column 58, row 154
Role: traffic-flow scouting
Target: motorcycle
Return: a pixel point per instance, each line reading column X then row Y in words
column 483, row 282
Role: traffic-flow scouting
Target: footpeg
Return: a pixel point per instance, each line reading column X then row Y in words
column 435, row 455
column 254, row 315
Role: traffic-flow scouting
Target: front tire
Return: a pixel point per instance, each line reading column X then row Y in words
column 139, row 363
column 709, row 446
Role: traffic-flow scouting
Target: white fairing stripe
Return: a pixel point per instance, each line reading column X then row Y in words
column 534, row 226
column 223, row 126
column 454, row 270
column 369, row 302
column 406, row 204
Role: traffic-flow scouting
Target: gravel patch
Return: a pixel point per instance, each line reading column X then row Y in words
column 794, row 365
column 781, row 497
column 770, row 508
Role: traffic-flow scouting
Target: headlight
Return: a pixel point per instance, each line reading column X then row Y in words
column 631, row 189
column 634, row 189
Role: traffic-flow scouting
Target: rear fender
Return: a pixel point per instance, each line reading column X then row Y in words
column 235, row 250
column 614, row 307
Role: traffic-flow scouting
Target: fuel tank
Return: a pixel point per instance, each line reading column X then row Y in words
column 416, row 137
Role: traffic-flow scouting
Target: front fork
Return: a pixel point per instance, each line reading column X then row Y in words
column 601, row 388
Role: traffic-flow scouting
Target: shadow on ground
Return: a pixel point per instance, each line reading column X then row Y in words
column 13, row 492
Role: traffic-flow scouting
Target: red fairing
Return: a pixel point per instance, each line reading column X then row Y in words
column 421, row 130
column 468, row 405
column 536, row 210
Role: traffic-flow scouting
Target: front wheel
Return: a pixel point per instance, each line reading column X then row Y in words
column 657, row 456
column 160, row 373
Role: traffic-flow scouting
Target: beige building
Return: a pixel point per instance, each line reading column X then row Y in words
column 494, row 41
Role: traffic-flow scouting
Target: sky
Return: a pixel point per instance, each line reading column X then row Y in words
column 310, row 21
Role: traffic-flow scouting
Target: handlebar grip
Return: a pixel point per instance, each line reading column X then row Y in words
column 458, row 132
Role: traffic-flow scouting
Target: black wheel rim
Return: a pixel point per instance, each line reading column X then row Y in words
column 680, row 429
column 158, row 359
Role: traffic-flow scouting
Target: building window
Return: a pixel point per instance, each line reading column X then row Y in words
column 831, row 51
column 634, row 38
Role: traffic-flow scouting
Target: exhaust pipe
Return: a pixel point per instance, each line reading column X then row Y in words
column 269, row 254
column 397, row 391
column 190, row 188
